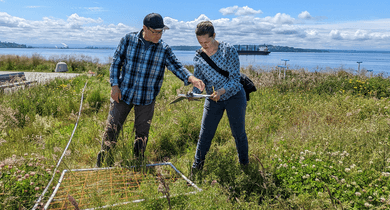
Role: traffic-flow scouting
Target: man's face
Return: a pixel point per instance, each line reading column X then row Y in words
column 152, row 35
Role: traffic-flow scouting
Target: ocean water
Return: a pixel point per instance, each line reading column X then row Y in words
column 377, row 62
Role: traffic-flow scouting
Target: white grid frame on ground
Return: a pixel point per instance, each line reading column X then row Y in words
column 98, row 188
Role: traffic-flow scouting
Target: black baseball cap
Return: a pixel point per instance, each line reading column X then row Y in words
column 155, row 21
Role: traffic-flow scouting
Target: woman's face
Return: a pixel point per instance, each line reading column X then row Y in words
column 206, row 41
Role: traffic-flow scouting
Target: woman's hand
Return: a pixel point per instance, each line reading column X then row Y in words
column 217, row 94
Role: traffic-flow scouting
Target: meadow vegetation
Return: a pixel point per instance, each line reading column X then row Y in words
column 75, row 63
column 317, row 140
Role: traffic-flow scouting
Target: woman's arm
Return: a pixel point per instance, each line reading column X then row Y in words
column 233, row 67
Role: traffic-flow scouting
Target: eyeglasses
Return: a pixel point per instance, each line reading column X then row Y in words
column 156, row 32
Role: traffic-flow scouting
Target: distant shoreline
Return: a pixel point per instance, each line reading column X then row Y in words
column 271, row 48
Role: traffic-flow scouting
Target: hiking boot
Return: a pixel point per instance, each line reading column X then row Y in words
column 139, row 149
column 100, row 158
column 195, row 172
column 104, row 158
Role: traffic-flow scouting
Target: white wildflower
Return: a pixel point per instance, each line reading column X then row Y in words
column 358, row 194
column 385, row 174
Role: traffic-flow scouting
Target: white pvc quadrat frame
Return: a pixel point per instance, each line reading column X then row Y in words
column 124, row 203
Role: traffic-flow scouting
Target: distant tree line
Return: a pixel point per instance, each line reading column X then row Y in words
column 11, row 45
column 271, row 48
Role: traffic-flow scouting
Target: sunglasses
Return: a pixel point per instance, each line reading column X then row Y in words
column 156, row 32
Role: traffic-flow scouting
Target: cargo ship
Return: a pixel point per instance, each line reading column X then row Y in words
column 250, row 52
column 254, row 51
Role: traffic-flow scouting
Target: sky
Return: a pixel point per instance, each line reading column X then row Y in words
column 331, row 24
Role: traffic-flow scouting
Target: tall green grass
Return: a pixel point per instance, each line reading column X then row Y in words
column 317, row 140
column 75, row 63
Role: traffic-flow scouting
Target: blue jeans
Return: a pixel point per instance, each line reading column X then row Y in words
column 213, row 111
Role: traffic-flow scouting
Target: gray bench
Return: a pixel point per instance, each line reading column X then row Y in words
column 14, row 80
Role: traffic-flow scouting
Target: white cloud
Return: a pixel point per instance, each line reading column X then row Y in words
column 94, row 9
column 239, row 11
column 280, row 19
column 33, row 7
column 287, row 30
column 311, row 32
column 7, row 20
column 247, row 11
column 76, row 19
column 280, row 29
column 75, row 29
column 228, row 10
column 305, row 15
column 335, row 34
column 361, row 35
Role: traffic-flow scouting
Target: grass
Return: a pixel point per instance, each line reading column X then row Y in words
column 75, row 63
column 317, row 140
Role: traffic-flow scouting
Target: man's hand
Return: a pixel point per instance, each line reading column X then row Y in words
column 196, row 82
column 116, row 93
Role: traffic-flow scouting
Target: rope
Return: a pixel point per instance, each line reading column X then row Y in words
column 63, row 154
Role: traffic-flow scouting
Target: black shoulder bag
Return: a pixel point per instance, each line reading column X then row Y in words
column 247, row 83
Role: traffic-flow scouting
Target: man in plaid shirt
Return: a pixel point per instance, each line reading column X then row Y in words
column 136, row 76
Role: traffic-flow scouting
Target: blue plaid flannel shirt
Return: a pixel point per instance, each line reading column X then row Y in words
column 139, row 72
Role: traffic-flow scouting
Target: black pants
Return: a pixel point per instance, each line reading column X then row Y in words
column 117, row 116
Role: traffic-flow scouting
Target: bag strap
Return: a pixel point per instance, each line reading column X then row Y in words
column 212, row 64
